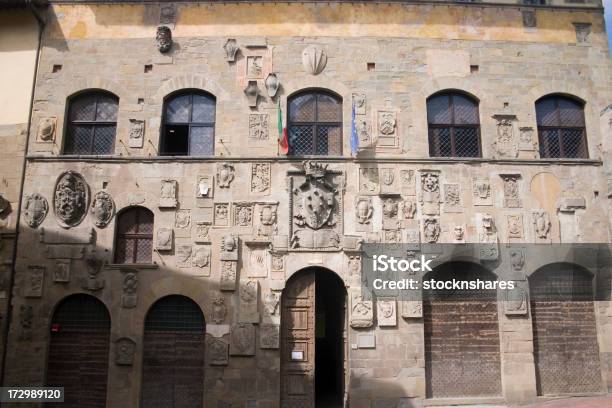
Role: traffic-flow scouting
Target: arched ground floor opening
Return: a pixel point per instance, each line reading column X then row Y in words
column 313, row 347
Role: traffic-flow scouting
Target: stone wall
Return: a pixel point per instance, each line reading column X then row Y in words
column 485, row 53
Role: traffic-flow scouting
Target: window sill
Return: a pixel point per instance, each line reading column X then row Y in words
column 115, row 266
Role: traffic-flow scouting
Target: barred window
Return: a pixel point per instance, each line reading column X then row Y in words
column 92, row 123
column 561, row 129
column 134, row 243
column 315, row 124
column 454, row 125
column 189, row 125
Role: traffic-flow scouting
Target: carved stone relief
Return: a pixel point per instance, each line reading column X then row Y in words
column 386, row 129
column 248, row 312
column 487, row 238
column 91, row 281
column 26, row 315
column 167, row 198
column 252, row 93
column 218, row 310
column 204, row 188
column 390, row 211
column 354, row 265
column 458, row 234
column 163, row 38
column 218, row 352
column 35, row 281
column 129, row 298
column 407, row 182
column 230, row 47
column 35, row 209
column 183, row 256
column 482, row 192
column 412, row 309
column 182, row 219
column 201, row 259
column 363, row 210
column 386, row 312
column 102, row 209
column 269, row 336
column 61, row 271
column 526, row 141
column 258, row 126
column 362, row 311
column 409, row 208
column 46, row 129
column 452, row 198
column 272, row 84
column 430, row 192
column 221, row 214
column 70, row 199
column 431, row 230
column 229, row 248
column 278, row 263
column 388, row 181
column 583, row 32
column 267, row 221
column 137, row 130
column 164, row 239
column 506, row 143
column 225, row 174
column 359, row 102
column 512, row 197
column 254, row 66
column 316, row 208
column 201, row 231
column 243, row 215
column 541, row 225
column 229, row 274
column 516, row 300
column 271, row 302
column 529, row 19
column 514, row 223
column 369, row 180
column 125, row 348
column 260, row 177
column 314, row 60
column 517, row 259
column 242, row 339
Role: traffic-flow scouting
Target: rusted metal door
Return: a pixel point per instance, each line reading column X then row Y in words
column 298, row 342
column 173, row 355
column 78, row 352
column 564, row 332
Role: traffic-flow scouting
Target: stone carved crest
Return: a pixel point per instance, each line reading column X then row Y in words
column 228, row 275
column 516, row 301
column 258, row 262
column 225, row 174
column 408, row 208
column 167, row 198
column 125, row 349
column 221, row 214
column 202, row 228
column 269, row 336
column 314, row 60
column 430, row 192
column 386, row 313
column 201, row 257
column 35, row 281
column 583, row 32
column 35, row 210
column 506, row 143
column 271, row 302
column 242, row 339
column 363, row 210
column 254, row 66
column 46, row 129
column 387, row 123
column 529, row 18
column 354, row 265
column 393, row 236
column 452, row 195
column 182, row 219
column 481, row 188
column 267, row 221
column 129, row 298
column 359, row 102
column 514, row 224
column 387, row 176
column 252, row 93
column 315, row 209
column 459, row 234
column 229, row 248
column 407, row 182
column 163, row 39
column 260, row 177
column 102, row 209
column 230, row 47
column 249, row 296
column 164, row 239
column 512, row 198
column 183, row 256
column 412, row 309
column 487, row 237
column 219, row 310
column 362, row 312
column 70, row 199
column 243, row 215
column 26, row 315
column 431, row 230
column 541, row 224
column 272, row 84
column 137, row 129
column 258, row 126
column 218, row 352
column 204, row 187
column 278, row 263
column 368, row 180
column 61, row 272
column 91, row 281
column 517, row 259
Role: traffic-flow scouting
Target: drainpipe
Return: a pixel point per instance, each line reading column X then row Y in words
column 32, row 5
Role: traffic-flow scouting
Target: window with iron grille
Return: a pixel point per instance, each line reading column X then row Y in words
column 454, row 125
column 189, row 125
column 92, row 123
column 315, row 124
column 175, row 313
column 134, row 243
column 561, row 129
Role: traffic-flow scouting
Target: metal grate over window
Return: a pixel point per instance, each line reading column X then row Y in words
column 189, row 125
column 561, row 128
column 81, row 312
column 134, row 236
column 315, row 124
column 176, row 314
column 454, row 126
column 92, row 124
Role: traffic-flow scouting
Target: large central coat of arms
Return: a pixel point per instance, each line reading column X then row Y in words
column 315, row 209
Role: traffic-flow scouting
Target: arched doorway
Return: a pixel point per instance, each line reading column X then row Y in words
column 313, row 349
column 78, row 351
column 173, row 354
column 565, row 345
column 462, row 357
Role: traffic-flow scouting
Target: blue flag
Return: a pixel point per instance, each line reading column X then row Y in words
column 354, row 138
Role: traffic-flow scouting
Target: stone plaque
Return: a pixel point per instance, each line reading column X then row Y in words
column 65, row 251
column 516, row 300
column 260, row 177
column 258, row 262
column 201, row 231
column 514, row 225
column 125, row 349
column 362, row 311
column 183, row 256
column 167, row 198
column 258, row 126
column 366, row 341
column 229, row 272
column 512, row 197
column 430, row 192
column 137, row 130
column 269, row 336
column 218, row 352
column 129, row 298
column 61, row 271
column 248, row 311
column 201, row 259
column 386, row 312
column 70, row 199
column 204, row 188
column 242, row 214
column 164, row 239
column 242, row 339
column 221, row 215
column 76, row 236
column 229, row 248
column 412, row 309
column 481, row 188
column 35, row 281
column 452, row 198
column 369, row 181
column 182, row 219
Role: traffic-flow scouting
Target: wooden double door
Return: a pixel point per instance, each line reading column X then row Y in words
column 313, row 341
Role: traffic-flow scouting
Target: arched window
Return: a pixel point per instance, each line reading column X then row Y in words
column 454, row 125
column 561, row 129
column 315, row 123
column 78, row 351
column 134, row 241
column 189, row 124
column 92, row 123
column 173, row 354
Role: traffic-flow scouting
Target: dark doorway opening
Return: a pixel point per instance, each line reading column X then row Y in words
column 329, row 340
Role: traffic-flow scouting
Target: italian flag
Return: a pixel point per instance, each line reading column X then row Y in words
column 283, row 140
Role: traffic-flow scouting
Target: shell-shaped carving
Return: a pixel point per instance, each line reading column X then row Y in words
column 230, row 47
column 70, row 199
column 314, row 60
column 272, row 84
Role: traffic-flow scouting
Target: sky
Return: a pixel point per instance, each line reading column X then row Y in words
column 608, row 16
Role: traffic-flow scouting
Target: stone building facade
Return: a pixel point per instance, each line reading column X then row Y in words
column 167, row 240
